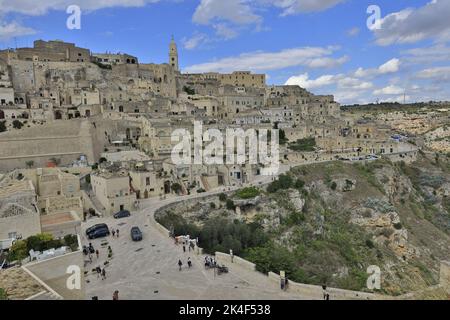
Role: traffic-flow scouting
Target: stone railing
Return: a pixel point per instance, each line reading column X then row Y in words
column 303, row 290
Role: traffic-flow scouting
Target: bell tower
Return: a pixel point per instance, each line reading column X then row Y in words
column 173, row 55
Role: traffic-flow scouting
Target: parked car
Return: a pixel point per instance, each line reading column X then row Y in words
column 136, row 234
column 95, row 227
column 99, row 233
column 122, row 214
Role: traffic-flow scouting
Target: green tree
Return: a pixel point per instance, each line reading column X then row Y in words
column 17, row 124
column 176, row 187
column 29, row 164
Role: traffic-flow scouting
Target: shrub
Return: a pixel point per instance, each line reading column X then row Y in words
column 306, row 145
column 223, row 197
column 284, row 182
column 333, row 185
column 212, row 205
column 398, row 226
column 3, row 295
column 230, row 204
column 176, row 187
column 248, row 193
column 299, row 184
column 17, row 124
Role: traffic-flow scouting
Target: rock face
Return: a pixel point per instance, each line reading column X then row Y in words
column 345, row 184
column 296, row 199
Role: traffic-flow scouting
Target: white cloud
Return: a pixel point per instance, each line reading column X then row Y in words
column 291, row 7
column 313, row 57
column 391, row 66
column 437, row 74
column 223, row 31
column 353, row 32
column 389, row 90
column 14, row 29
column 195, row 41
column 414, row 24
column 431, row 54
column 36, row 8
column 340, row 80
column 235, row 11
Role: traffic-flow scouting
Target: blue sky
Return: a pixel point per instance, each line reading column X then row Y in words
column 322, row 45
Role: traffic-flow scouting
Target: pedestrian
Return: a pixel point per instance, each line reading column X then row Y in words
column 325, row 293
column 113, row 232
column 99, row 270
column 184, row 248
column 116, row 295
column 103, row 274
column 90, row 258
column 97, row 253
column 117, row 232
column 180, row 264
column 189, row 262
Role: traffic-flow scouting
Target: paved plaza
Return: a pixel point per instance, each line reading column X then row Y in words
column 149, row 269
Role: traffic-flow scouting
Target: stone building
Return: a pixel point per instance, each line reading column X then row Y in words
column 50, row 51
column 113, row 189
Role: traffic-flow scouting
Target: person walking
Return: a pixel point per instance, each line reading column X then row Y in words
column 99, row 270
column 113, row 232
column 90, row 257
column 180, row 264
column 117, row 232
column 184, row 248
column 189, row 262
column 97, row 253
column 103, row 274
column 116, row 295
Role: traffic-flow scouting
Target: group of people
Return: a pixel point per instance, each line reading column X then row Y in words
column 210, row 262
column 89, row 251
column 101, row 272
column 114, row 232
column 180, row 263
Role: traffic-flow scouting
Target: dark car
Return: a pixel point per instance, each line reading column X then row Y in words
column 99, row 233
column 122, row 214
column 136, row 234
column 95, row 227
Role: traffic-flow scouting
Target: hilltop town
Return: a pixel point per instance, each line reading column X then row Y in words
column 86, row 135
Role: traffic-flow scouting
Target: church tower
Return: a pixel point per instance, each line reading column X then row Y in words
column 173, row 55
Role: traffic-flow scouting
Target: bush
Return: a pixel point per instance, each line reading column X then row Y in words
column 17, row 124
column 223, row 197
column 176, row 187
column 230, row 204
column 306, row 145
column 3, row 295
column 333, row 185
column 284, row 182
column 248, row 193
column 299, row 184
column 398, row 226
column 212, row 205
